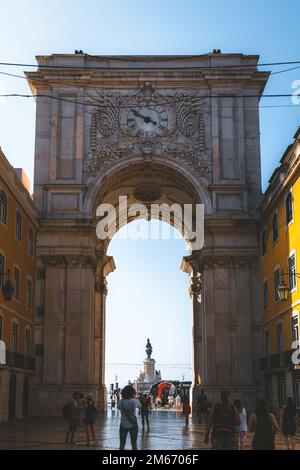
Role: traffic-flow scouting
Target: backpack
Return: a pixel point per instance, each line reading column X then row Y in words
column 224, row 421
column 92, row 412
column 67, row 411
column 129, row 415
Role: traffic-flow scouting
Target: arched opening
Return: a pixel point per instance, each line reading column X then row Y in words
column 155, row 188
column 12, row 397
column 147, row 298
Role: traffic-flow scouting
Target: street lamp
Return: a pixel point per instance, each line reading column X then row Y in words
column 283, row 291
column 7, row 288
column 283, row 288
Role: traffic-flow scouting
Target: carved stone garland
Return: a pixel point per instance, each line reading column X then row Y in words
column 111, row 139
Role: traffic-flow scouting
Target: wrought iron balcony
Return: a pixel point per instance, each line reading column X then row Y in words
column 20, row 361
column 277, row 362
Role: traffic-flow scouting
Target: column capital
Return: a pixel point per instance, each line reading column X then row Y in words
column 191, row 263
column 101, row 286
column 215, row 260
column 69, row 260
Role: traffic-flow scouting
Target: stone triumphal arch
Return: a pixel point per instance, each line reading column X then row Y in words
column 163, row 129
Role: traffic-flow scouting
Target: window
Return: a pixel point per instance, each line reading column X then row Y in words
column 14, row 337
column 18, row 226
column 263, row 242
column 275, row 227
column 292, row 271
column 297, row 392
column 265, row 295
column 39, row 350
column 279, row 338
column 295, row 328
column 289, row 208
column 27, row 342
column 29, row 293
column 281, row 391
column 276, row 284
column 30, row 241
column 39, row 311
column 267, row 342
column 2, row 270
column 279, row 334
column 3, row 207
column 268, row 388
column 40, row 274
column 16, row 283
column 1, row 326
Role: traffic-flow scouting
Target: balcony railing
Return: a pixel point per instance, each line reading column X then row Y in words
column 277, row 361
column 20, row 361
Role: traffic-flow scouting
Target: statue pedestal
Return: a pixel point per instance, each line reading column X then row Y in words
column 149, row 370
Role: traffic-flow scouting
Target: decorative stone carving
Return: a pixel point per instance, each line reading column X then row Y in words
column 69, row 261
column 195, row 286
column 216, row 261
column 147, row 123
column 101, row 287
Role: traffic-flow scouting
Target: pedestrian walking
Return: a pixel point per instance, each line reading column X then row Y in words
column 90, row 416
column 145, row 410
column 222, row 420
column 72, row 413
column 186, row 410
column 265, row 426
column 289, row 424
column 202, row 407
column 129, row 424
column 242, row 428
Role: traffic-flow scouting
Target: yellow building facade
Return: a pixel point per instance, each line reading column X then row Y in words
column 280, row 268
column 18, row 228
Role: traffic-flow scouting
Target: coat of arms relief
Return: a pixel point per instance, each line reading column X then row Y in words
column 147, row 123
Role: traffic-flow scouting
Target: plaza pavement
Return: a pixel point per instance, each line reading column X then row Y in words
column 167, row 432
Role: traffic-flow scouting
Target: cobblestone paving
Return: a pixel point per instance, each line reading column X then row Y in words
column 167, row 432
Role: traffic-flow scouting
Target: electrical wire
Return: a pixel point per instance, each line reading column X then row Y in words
column 168, row 58
column 169, row 102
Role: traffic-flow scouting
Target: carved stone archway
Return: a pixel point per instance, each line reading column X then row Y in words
column 184, row 130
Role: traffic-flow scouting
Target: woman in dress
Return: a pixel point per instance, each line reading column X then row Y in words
column 289, row 424
column 265, row 426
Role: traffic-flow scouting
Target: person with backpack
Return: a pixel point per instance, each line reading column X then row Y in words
column 222, row 420
column 202, row 406
column 241, row 430
column 186, row 410
column 71, row 412
column 90, row 416
column 265, row 426
column 129, row 424
column 289, row 424
column 145, row 410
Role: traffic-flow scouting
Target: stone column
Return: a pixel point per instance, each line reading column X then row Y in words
column 68, row 330
column 105, row 265
column 223, row 325
column 190, row 265
column 228, row 325
column 99, row 357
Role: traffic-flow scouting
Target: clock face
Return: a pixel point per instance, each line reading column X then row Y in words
column 147, row 121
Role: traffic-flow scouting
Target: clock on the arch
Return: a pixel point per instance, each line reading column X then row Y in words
column 146, row 120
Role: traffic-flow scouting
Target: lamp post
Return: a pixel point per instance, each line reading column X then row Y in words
column 7, row 288
column 283, row 288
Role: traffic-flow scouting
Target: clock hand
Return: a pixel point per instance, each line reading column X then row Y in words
column 136, row 113
column 147, row 119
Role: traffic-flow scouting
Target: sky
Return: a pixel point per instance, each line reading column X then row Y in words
column 269, row 28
